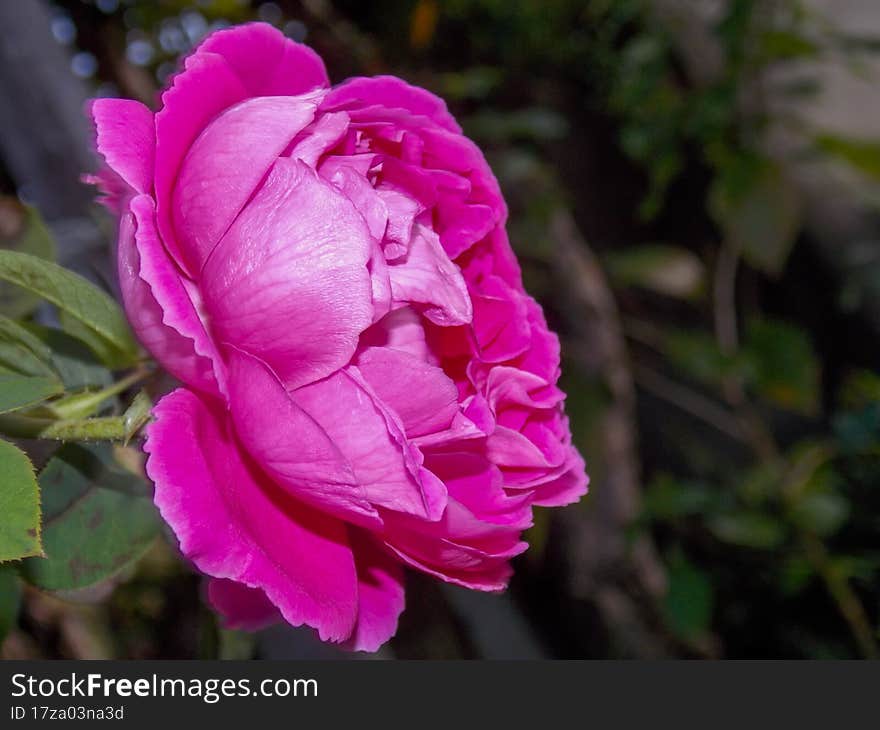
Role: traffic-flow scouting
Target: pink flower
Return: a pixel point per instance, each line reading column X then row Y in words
column 366, row 384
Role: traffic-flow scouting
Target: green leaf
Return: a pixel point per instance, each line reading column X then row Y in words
column 96, row 316
column 823, row 513
column 783, row 368
column 21, row 352
column 785, row 45
column 858, row 431
column 762, row 219
column 537, row 123
column 98, row 464
column 668, row 270
column 19, row 505
column 690, row 598
column 91, row 532
column 698, row 356
column 32, row 237
column 862, row 155
column 754, row 530
column 794, row 575
column 21, row 391
column 10, row 599
column 235, row 645
column 73, row 361
column 667, row 499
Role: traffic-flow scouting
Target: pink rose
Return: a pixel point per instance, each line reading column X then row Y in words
column 366, row 383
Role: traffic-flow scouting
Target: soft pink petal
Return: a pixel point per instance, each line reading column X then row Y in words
column 266, row 62
column 225, row 164
column 289, row 282
column 380, row 592
column 427, row 278
column 421, row 395
column 158, row 307
column 290, row 445
column 126, row 139
column 234, row 523
column 242, row 608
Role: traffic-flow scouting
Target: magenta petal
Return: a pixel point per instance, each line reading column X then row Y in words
column 243, row 608
column 566, row 489
column 234, row 523
column 427, row 278
column 402, row 212
column 390, row 91
column 401, row 330
column 226, row 163
column 291, row 446
column 355, row 186
column 421, row 395
column 199, row 93
column 459, row 549
column 500, row 323
column 372, row 440
column 267, row 63
column 289, row 283
column 320, row 137
column 380, row 592
column 477, row 483
column 157, row 304
column 126, row 139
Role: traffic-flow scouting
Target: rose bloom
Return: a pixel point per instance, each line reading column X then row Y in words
column 366, row 384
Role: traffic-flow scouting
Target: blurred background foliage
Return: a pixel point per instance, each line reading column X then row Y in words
column 693, row 188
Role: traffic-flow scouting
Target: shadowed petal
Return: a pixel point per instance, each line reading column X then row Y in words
column 380, row 592
column 157, row 304
column 242, row 608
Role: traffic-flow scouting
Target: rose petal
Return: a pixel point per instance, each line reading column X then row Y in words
column 126, row 139
column 566, row 489
column 420, row 394
column 205, row 87
column 380, row 592
column 427, row 278
column 372, row 440
column 227, row 162
column 291, row 446
column 243, row 608
column 233, row 523
column 266, row 62
column 157, row 304
column 390, row 91
column 289, row 283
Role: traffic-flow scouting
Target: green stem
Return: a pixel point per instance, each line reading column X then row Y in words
column 108, row 428
column 82, row 405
